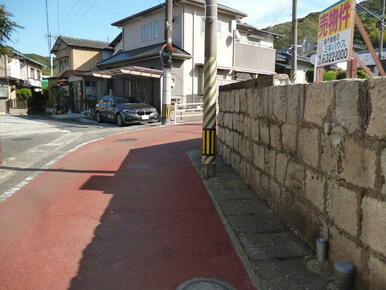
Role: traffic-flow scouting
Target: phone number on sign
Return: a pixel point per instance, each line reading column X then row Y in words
column 335, row 56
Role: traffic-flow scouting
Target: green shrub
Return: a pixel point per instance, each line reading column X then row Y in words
column 362, row 74
column 23, row 94
column 310, row 75
column 341, row 75
column 329, row 75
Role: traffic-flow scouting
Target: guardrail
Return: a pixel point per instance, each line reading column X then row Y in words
column 187, row 112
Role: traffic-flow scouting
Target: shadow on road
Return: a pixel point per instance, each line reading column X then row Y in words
column 160, row 227
column 56, row 170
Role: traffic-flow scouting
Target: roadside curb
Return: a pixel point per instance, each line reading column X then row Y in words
column 273, row 256
column 231, row 233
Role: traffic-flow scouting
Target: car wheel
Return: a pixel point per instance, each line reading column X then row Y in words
column 119, row 120
column 98, row 117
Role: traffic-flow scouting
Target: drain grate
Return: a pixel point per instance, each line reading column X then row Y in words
column 205, row 284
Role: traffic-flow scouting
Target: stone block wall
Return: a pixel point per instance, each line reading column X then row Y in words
column 317, row 154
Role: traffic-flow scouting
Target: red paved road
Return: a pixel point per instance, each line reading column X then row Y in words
column 127, row 212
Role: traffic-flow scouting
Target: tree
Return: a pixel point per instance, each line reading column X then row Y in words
column 7, row 27
column 23, row 94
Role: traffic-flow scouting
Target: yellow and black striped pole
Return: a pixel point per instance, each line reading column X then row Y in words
column 210, row 91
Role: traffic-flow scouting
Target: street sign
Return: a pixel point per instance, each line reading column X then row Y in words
column 335, row 33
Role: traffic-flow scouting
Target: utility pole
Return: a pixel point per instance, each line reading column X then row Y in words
column 49, row 38
column 382, row 31
column 210, row 91
column 294, row 66
column 167, row 67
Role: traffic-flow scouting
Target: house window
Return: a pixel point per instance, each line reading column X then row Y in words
column 254, row 41
column 149, row 32
column 63, row 65
column 32, row 73
column 143, row 33
column 38, row 75
column 3, row 92
column 156, row 30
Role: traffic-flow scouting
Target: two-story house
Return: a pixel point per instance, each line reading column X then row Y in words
column 243, row 50
column 73, row 57
column 17, row 71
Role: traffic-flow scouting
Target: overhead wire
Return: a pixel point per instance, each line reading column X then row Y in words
column 104, row 9
column 58, row 12
column 71, row 20
column 369, row 12
column 276, row 18
column 69, row 11
column 81, row 17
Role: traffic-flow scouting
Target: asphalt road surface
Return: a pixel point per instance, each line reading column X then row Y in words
column 29, row 144
column 137, row 218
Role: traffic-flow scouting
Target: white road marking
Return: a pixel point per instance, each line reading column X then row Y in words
column 19, row 186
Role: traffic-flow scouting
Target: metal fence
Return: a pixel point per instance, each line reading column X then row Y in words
column 188, row 112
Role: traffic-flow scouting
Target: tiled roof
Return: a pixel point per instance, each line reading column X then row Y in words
column 15, row 52
column 250, row 27
column 78, row 42
column 139, row 53
column 285, row 55
column 116, row 40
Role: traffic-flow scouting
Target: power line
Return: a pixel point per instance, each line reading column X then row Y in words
column 369, row 12
column 280, row 13
column 69, row 11
column 57, row 6
column 82, row 16
column 106, row 10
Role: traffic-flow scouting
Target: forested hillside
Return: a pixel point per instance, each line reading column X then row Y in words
column 308, row 26
column 42, row 59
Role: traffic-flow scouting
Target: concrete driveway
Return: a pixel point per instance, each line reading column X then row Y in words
column 29, row 144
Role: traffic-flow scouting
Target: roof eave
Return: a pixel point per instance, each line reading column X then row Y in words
column 250, row 27
column 147, row 57
column 117, row 23
column 222, row 8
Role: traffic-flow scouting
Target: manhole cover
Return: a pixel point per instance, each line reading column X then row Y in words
column 205, row 284
column 126, row 140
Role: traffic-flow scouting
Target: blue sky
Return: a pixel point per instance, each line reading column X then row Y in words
column 91, row 19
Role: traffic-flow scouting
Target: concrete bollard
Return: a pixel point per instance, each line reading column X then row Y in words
column 344, row 275
column 321, row 250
